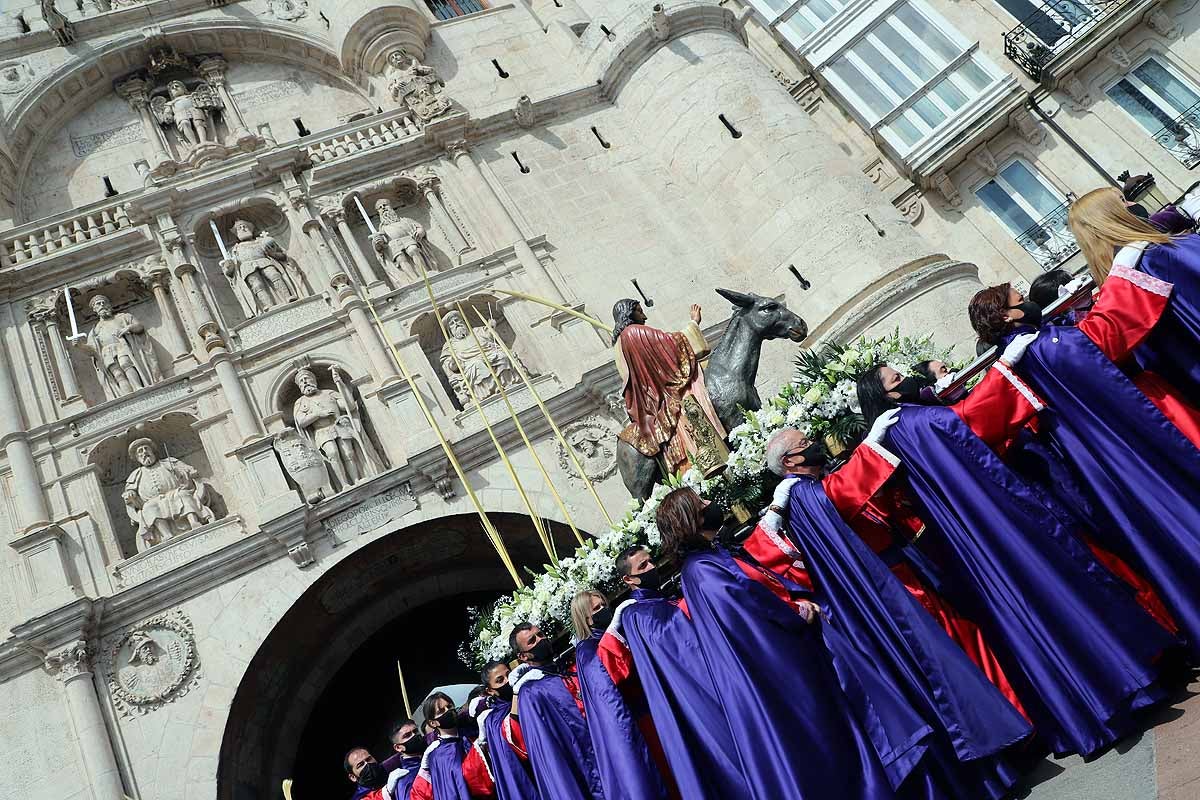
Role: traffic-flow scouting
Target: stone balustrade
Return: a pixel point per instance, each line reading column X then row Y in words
column 354, row 137
column 43, row 237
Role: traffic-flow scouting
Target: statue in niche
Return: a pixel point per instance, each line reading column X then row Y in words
column 416, row 86
column 475, row 354
column 402, row 245
column 331, row 423
column 164, row 497
column 259, row 270
column 190, row 112
column 121, row 350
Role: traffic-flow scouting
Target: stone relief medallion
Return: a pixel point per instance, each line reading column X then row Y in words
column 15, row 77
column 287, row 9
column 594, row 441
column 152, row 664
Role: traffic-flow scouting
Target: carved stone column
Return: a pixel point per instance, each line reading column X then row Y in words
column 72, row 665
column 430, row 186
column 367, row 271
column 382, row 362
column 213, row 70
column 136, row 92
column 539, row 279
column 177, row 341
column 300, row 217
column 30, row 503
column 47, row 319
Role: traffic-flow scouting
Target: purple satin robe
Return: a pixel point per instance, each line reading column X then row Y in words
column 626, row 769
column 1075, row 645
column 411, row 765
column 445, row 769
column 842, row 732
column 556, row 736
column 1173, row 347
column 973, row 721
column 513, row 781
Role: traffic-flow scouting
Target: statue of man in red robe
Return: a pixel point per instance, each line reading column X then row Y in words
column 670, row 414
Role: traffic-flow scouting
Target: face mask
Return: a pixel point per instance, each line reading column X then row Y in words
column 712, row 518
column 447, row 719
column 372, row 776
column 413, row 746
column 814, row 455
column 1138, row 210
column 601, row 618
column 542, row 652
column 909, row 389
column 1031, row 314
column 650, row 579
column 505, row 693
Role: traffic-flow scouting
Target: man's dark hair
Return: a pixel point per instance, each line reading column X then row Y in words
column 922, row 370
column 623, row 316
column 429, row 707
column 1044, row 289
column 512, row 637
column 872, row 397
column 485, row 674
column 626, row 556
column 478, row 691
column 346, row 765
column 399, row 726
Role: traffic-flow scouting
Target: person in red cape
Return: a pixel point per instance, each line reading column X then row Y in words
column 661, row 371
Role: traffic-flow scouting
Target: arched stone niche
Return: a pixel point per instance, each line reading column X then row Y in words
column 174, row 437
column 250, row 287
column 74, row 366
column 433, row 344
column 350, row 446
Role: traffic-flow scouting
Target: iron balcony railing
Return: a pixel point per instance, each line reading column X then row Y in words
column 449, row 9
column 1054, row 27
column 1049, row 241
column 1181, row 137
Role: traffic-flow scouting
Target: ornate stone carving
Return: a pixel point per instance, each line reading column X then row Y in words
column 474, row 355
column 189, row 111
column 984, row 159
column 593, row 439
column 182, row 549
column 152, row 664
column 402, row 244
column 15, row 77
column 524, row 113
column 373, row 513
column 911, row 205
column 304, row 464
column 282, row 321
column 949, row 191
column 287, row 9
column 259, row 271
column 70, row 661
column 57, row 22
column 121, row 350
column 416, row 87
column 1161, row 23
column 163, row 497
column 1081, row 98
column 331, row 422
column 1117, row 56
column 142, row 406
column 1027, row 126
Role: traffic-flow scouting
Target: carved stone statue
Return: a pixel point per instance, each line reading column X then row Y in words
column 121, row 350
column 57, row 22
column 190, row 112
column 416, row 86
column 259, row 270
column 475, row 358
column 331, row 423
column 593, row 441
column 163, row 497
column 402, row 245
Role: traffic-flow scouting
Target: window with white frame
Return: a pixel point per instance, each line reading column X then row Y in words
column 1153, row 94
column 796, row 21
column 908, row 74
column 1032, row 211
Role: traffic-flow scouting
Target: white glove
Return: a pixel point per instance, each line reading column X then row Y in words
column 1016, row 348
column 773, row 520
column 1074, row 285
column 943, row 382
column 879, row 428
column 1190, row 204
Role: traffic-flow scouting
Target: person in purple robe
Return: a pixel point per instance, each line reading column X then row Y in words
column 842, row 732
column 512, row 776
column 402, row 766
column 547, row 724
column 1074, row 643
column 974, row 723
column 452, row 767
column 627, row 768
column 1103, row 225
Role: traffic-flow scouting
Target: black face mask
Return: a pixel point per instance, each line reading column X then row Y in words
column 447, row 719
column 542, row 652
column 505, row 693
column 1031, row 313
column 712, row 518
column 601, row 618
column 814, row 455
column 649, row 580
column 909, row 389
column 413, row 746
column 372, row 776
column 1138, row 210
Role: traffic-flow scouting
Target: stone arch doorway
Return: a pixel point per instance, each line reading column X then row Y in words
column 423, row 575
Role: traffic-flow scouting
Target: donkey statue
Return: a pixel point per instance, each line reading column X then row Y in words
column 729, row 377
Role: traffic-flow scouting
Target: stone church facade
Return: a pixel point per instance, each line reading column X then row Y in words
column 224, row 389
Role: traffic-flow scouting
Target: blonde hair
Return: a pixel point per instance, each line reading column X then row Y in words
column 581, row 611
column 1101, row 224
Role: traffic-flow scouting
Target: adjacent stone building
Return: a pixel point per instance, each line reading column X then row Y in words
column 226, row 397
